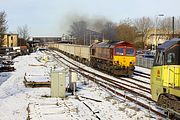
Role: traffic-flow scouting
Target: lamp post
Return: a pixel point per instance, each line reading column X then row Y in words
column 160, row 15
column 173, row 27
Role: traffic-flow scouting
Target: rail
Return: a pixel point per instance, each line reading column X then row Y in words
column 113, row 86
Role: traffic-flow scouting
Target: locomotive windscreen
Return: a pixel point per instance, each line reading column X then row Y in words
column 119, row 51
column 130, row 51
column 173, row 56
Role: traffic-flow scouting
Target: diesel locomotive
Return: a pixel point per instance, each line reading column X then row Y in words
column 115, row 57
column 118, row 58
column 165, row 75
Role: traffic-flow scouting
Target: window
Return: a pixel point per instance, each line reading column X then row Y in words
column 119, row 51
column 170, row 58
column 159, row 58
column 129, row 51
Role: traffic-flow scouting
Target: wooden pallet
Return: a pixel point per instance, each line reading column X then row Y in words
column 33, row 84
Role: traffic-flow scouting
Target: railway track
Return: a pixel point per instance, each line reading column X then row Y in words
column 118, row 86
column 120, row 81
column 142, row 74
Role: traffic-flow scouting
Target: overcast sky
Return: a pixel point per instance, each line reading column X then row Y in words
column 49, row 17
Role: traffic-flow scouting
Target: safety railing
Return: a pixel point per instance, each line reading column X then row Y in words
column 144, row 62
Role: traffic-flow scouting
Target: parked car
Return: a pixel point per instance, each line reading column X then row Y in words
column 148, row 56
column 146, row 53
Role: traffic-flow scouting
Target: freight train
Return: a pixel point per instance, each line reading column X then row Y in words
column 118, row 57
column 165, row 75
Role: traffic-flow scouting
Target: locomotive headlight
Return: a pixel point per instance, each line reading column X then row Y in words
column 132, row 62
column 116, row 62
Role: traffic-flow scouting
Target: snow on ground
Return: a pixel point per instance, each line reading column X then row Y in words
column 18, row 102
column 144, row 70
column 4, row 76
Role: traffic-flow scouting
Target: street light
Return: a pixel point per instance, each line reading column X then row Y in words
column 160, row 15
column 173, row 27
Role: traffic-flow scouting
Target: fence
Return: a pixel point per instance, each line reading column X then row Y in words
column 144, row 62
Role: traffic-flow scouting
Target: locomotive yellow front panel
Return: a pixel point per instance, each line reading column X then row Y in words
column 171, row 76
column 156, row 82
column 165, row 79
column 124, row 60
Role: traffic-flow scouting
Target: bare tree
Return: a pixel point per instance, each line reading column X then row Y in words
column 166, row 25
column 142, row 25
column 177, row 24
column 109, row 31
column 23, row 32
column 78, row 30
column 126, row 21
column 3, row 26
column 3, row 22
column 126, row 32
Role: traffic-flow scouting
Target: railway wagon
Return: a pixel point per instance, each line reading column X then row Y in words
column 115, row 57
column 52, row 46
column 65, row 48
column 165, row 75
column 61, row 47
column 85, row 54
column 77, row 51
column 80, row 53
column 70, row 50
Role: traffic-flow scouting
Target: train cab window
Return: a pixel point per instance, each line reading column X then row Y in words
column 159, row 58
column 170, row 58
column 129, row 51
column 119, row 51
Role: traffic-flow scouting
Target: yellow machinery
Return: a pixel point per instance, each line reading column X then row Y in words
column 165, row 75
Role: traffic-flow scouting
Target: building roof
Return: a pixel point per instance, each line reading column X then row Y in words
column 46, row 36
column 8, row 34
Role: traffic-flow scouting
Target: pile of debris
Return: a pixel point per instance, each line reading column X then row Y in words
column 6, row 65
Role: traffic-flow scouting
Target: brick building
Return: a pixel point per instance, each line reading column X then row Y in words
column 9, row 40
